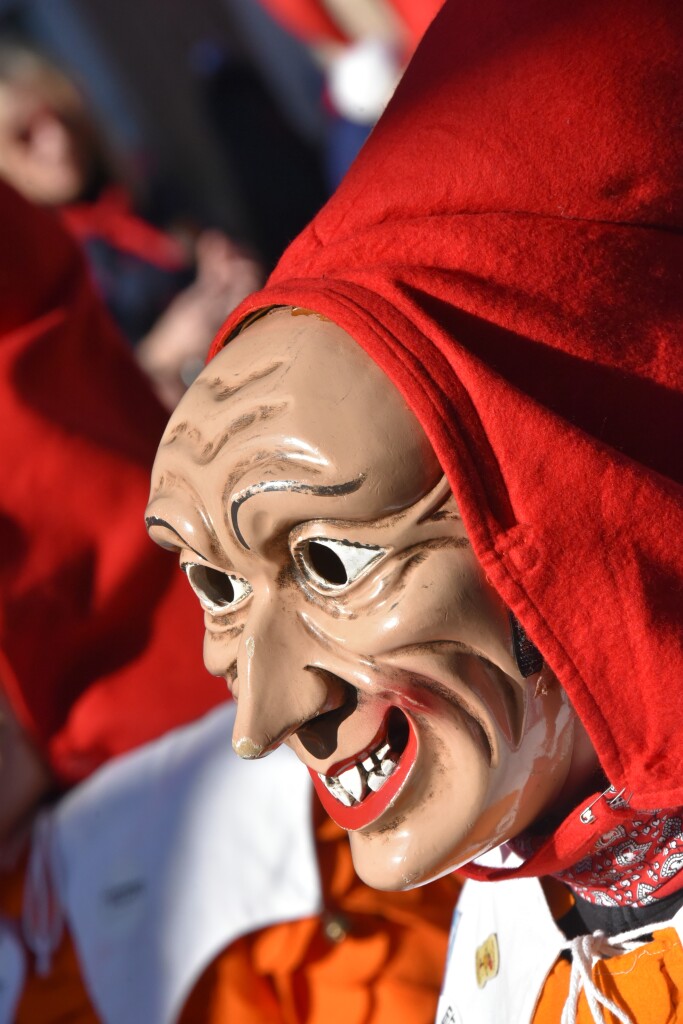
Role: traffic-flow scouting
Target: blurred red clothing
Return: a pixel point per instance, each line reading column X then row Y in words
column 98, row 630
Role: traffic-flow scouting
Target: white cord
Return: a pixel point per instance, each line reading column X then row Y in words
column 42, row 919
column 585, row 951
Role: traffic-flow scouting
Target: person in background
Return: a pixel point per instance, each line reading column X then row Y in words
column 146, row 876
column 363, row 48
column 167, row 292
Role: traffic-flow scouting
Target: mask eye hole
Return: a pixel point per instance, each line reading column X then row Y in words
column 218, row 592
column 335, row 564
column 327, row 564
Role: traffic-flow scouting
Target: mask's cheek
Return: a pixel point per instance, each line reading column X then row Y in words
column 436, row 821
column 438, row 596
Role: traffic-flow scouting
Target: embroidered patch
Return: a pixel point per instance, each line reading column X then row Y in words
column 487, row 960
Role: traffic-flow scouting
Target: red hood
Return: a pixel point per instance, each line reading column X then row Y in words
column 507, row 249
column 98, row 629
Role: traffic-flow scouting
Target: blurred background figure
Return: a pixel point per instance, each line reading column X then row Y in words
column 227, row 113
column 185, row 152
column 362, row 47
column 168, row 291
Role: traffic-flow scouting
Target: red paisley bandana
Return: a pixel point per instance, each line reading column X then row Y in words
column 632, row 860
column 629, row 865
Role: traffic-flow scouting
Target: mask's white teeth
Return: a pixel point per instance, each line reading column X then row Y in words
column 337, row 790
column 353, row 782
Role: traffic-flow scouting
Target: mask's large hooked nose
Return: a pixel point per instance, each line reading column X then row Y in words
column 278, row 690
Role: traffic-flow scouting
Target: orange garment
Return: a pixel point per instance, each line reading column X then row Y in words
column 370, row 957
column 60, row 997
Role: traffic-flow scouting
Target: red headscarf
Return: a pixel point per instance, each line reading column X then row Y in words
column 98, row 629
column 507, row 248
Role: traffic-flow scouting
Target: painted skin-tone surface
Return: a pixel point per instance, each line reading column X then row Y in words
column 345, row 607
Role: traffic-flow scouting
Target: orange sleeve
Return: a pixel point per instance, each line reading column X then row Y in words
column 368, row 958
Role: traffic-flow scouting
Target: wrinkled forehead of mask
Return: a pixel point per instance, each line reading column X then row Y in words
column 295, row 393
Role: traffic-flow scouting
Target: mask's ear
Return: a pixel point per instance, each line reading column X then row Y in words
column 527, row 655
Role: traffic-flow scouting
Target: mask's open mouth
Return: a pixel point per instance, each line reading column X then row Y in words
column 357, row 791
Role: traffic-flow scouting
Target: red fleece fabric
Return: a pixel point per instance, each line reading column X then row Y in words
column 98, row 628
column 507, row 248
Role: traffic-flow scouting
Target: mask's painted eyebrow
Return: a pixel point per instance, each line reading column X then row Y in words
column 221, row 390
column 151, row 521
column 294, row 486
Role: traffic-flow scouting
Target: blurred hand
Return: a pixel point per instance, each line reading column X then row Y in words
column 174, row 351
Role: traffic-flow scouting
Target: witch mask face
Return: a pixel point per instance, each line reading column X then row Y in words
column 345, row 607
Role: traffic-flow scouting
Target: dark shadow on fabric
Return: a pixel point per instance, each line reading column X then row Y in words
column 13, row 545
column 630, row 414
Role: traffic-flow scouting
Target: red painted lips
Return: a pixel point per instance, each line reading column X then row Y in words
column 374, row 804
